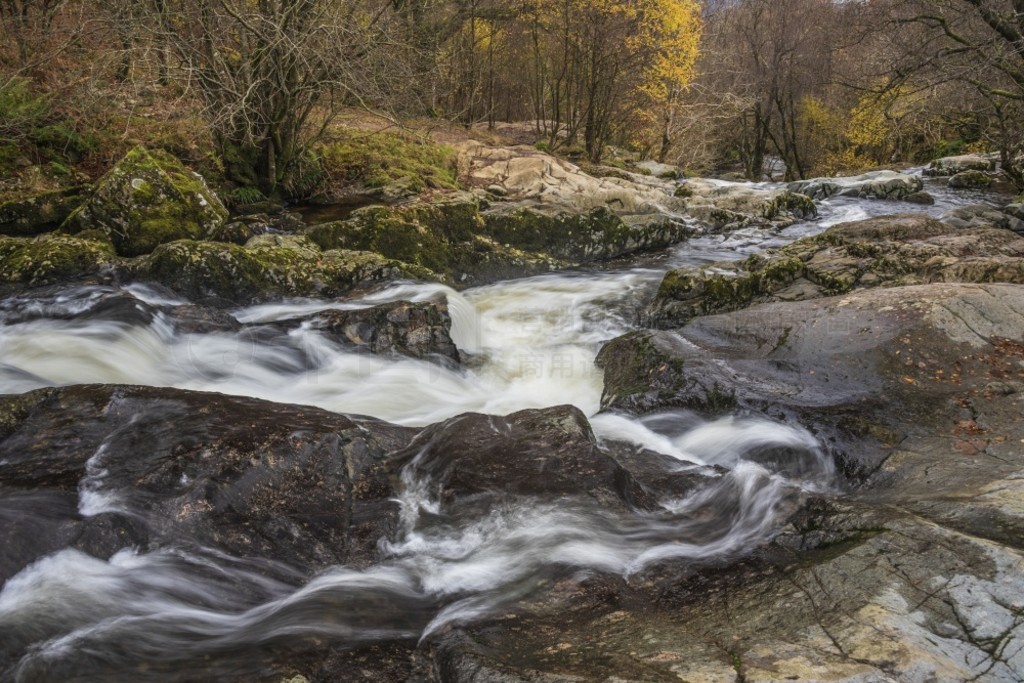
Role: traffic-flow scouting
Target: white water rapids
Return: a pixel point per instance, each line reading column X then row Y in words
column 531, row 344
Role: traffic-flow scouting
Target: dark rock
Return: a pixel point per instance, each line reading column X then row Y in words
column 250, row 478
column 41, row 213
column 550, row 452
column 244, row 228
column 923, row 198
column 419, row 330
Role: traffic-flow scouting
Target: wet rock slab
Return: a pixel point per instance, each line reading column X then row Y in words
column 147, row 467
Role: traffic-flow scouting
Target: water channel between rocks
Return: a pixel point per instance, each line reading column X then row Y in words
column 530, row 343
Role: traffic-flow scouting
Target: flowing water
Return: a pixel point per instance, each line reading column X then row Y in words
column 172, row 612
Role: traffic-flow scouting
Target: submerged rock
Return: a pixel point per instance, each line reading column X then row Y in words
column 418, row 330
column 543, row 453
column 147, row 199
column 41, row 213
column 877, row 252
column 873, row 185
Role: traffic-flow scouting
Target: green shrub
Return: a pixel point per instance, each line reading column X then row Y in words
column 21, row 111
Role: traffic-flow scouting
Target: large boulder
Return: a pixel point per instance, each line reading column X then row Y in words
column 147, row 199
column 873, row 185
column 951, row 166
column 41, row 213
column 877, row 252
column 136, row 466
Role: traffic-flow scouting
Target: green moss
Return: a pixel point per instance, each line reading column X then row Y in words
column 149, row 199
column 40, row 213
column 203, row 270
column 715, row 292
column 426, row 235
column 564, row 235
column 50, row 259
column 376, row 160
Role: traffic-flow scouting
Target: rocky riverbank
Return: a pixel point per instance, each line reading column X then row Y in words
column 805, row 465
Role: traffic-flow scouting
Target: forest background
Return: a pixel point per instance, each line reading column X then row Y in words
column 287, row 99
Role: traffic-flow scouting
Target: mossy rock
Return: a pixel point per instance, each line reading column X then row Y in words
column 580, row 237
column 149, row 198
column 232, row 274
column 41, row 213
column 971, row 180
column 878, row 252
column 51, row 259
column 799, row 205
column 423, row 234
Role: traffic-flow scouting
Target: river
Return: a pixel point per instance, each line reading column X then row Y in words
column 528, row 343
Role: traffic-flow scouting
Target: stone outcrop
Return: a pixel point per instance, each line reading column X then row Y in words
column 879, row 252
column 525, row 174
column 917, row 392
column 873, row 185
column 147, row 199
column 950, row 166
column 724, row 204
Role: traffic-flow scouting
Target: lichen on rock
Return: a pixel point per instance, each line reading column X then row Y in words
column 147, row 199
column 233, row 274
column 50, row 259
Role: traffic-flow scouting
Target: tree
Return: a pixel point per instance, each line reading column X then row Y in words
column 597, row 62
column 978, row 44
column 270, row 73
